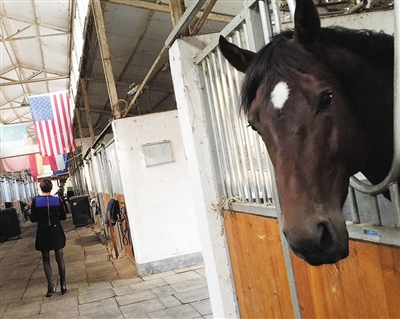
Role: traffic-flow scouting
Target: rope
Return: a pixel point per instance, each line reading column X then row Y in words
column 224, row 203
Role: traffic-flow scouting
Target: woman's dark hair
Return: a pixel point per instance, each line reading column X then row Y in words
column 46, row 185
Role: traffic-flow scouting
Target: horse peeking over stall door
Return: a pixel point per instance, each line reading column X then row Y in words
column 322, row 101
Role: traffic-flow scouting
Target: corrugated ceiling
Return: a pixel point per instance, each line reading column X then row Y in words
column 36, row 55
column 34, row 49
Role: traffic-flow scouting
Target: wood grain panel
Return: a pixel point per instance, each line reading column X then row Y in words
column 258, row 266
column 303, row 288
column 390, row 264
column 364, row 285
column 356, row 304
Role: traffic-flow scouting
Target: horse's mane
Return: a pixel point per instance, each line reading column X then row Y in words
column 279, row 54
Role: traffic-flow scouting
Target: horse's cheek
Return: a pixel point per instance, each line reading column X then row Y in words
column 333, row 142
column 270, row 139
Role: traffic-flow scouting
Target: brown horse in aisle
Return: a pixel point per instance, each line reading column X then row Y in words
column 322, row 101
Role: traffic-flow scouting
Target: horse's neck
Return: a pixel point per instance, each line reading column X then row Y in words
column 370, row 88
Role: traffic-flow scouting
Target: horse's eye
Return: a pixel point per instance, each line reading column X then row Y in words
column 253, row 125
column 326, row 100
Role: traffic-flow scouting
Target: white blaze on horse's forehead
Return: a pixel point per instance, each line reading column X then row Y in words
column 279, row 95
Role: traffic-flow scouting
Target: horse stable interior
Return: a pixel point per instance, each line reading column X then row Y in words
column 157, row 124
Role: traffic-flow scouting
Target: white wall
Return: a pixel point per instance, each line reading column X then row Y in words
column 158, row 198
column 204, row 178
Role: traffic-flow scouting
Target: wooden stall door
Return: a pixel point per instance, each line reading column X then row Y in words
column 364, row 285
column 258, row 266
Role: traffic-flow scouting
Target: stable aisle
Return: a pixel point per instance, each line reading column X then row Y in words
column 98, row 287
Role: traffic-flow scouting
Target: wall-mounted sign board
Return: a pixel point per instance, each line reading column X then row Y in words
column 158, row 153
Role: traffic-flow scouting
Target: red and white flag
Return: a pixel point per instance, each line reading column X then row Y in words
column 52, row 118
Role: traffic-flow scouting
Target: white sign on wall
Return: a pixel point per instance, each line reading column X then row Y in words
column 158, row 153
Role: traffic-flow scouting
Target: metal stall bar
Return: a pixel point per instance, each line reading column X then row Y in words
column 355, row 217
column 395, row 196
column 275, row 10
column 265, row 21
column 248, row 136
column 242, row 155
column 230, row 125
column 292, row 7
column 258, row 155
column 234, row 93
column 226, row 125
column 217, row 127
column 221, row 163
column 227, row 136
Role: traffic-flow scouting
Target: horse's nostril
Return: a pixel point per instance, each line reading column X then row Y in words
column 326, row 235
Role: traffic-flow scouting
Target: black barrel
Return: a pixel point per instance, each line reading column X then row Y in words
column 70, row 194
column 80, row 210
column 9, row 224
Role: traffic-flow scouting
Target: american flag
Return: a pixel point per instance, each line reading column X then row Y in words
column 52, row 118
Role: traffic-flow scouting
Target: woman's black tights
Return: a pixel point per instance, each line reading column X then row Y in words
column 47, row 266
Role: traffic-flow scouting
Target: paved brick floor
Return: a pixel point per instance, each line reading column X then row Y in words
column 98, row 287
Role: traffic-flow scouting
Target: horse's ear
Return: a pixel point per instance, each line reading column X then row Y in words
column 306, row 22
column 239, row 58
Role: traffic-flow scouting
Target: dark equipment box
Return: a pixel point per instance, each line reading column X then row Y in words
column 80, row 209
column 9, row 224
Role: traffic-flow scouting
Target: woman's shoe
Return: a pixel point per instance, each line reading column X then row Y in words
column 50, row 290
column 63, row 286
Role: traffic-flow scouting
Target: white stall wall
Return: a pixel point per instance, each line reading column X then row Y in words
column 158, row 198
column 204, row 174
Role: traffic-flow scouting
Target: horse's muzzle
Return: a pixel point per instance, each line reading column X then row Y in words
column 323, row 245
column 317, row 258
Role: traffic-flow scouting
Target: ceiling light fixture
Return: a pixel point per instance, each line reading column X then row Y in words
column 25, row 102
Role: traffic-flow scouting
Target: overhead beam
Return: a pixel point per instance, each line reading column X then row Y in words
column 12, row 38
column 165, row 8
column 184, row 22
column 121, row 83
column 210, row 4
column 96, row 111
column 55, row 78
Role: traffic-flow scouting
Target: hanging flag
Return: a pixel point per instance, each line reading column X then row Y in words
column 16, row 164
column 58, row 162
column 12, row 136
column 52, row 118
column 36, row 165
column 63, row 164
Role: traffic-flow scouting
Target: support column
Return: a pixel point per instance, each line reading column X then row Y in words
column 78, row 122
column 203, row 177
column 87, row 109
column 106, row 57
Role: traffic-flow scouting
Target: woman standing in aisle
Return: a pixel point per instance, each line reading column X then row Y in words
column 47, row 211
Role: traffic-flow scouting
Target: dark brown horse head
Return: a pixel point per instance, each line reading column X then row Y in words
column 304, row 116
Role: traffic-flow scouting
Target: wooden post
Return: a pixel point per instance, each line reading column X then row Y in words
column 210, row 4
column 106, row 58
column 78, row 122
column 177, row 10
column 87, row 109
